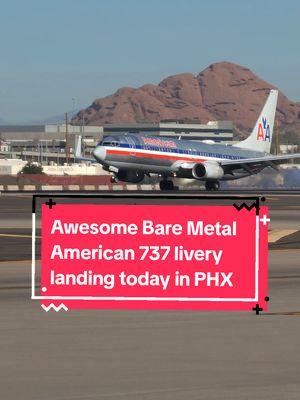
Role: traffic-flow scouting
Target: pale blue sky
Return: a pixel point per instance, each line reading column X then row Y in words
column 56, row 50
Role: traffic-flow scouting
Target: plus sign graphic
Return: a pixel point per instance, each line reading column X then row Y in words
column 50, row 203
column 257, row 309
column 264, row 219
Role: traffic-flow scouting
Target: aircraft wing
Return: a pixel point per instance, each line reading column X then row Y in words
column 87, row 159
column 251, row 165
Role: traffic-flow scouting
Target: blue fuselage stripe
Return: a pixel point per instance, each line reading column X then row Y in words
column 180, row 151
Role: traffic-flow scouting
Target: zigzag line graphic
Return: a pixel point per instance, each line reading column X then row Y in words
column 62, row 306
column 244, row 205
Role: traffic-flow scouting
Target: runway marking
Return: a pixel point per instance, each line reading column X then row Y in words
column 18, row 235
column 284, row 277
column 292, row 313
column 284, row 250
column 16, row 287
column 15, row 261
column 16, row 209
column 273, row 235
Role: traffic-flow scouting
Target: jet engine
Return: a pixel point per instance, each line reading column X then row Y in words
column 130, row 176
column 207, row 170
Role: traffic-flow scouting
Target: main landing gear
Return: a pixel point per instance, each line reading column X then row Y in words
column 166, row 185
column 212, row 185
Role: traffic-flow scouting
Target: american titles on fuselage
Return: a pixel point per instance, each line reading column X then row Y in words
column 159, row 142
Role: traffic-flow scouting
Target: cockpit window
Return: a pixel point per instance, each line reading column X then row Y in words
column 110, row 141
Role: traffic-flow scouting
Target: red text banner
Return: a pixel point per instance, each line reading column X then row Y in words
column 154, row 257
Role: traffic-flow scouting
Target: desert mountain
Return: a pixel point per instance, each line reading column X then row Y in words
column 223, row 91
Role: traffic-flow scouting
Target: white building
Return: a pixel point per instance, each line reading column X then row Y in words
column 4, row 146
column 74, row 169
column 288, row 148
column 11, row 166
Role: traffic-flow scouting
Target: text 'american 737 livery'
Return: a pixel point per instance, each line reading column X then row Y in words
column 132, row 157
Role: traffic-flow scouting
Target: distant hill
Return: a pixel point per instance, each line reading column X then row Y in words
column 223, row 91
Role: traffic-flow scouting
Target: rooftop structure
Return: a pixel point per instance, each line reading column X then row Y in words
column 47, row 143
column 213, row 130
column 218, row 131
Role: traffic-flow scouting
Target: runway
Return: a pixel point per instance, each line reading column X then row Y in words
column 15, row 217
column 148, row 355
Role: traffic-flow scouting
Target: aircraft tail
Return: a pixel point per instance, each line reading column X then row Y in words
column 261, row 135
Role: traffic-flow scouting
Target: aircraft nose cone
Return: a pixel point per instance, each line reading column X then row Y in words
column 99, row 153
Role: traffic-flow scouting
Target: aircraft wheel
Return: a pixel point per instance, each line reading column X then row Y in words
column 113, row 179
column 166, row 185
column 212, row 185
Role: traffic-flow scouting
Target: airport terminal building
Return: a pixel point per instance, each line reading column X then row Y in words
column 47, row 143
column 218, row 131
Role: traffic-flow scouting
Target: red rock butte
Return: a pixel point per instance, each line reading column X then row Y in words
column 223, row 91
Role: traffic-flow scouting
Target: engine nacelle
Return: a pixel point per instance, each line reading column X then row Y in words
column 207, row 170
column 130, row 176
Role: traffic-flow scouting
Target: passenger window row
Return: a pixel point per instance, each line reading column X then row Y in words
column 171, row 150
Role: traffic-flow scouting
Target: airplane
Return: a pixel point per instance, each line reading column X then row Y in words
column 132, row 157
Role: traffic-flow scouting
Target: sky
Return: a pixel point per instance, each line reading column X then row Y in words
column 60, row 55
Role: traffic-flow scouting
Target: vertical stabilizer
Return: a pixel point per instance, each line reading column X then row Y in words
column 261, row 136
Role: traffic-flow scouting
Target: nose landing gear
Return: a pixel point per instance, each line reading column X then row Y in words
column 212, row 185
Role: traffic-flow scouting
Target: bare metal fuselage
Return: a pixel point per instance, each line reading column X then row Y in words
column 152, row 154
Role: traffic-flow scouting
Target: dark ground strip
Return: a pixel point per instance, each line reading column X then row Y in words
column 19, row 248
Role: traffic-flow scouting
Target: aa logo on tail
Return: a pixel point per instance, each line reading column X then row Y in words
column 263, row 131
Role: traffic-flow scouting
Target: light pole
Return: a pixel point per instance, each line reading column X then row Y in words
column 83, row 137
column 73, row 106
column 66, row 138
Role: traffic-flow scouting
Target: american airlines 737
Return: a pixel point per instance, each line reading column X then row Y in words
column 132, row 157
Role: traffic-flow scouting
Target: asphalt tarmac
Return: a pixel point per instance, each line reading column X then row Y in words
column 149, row 355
